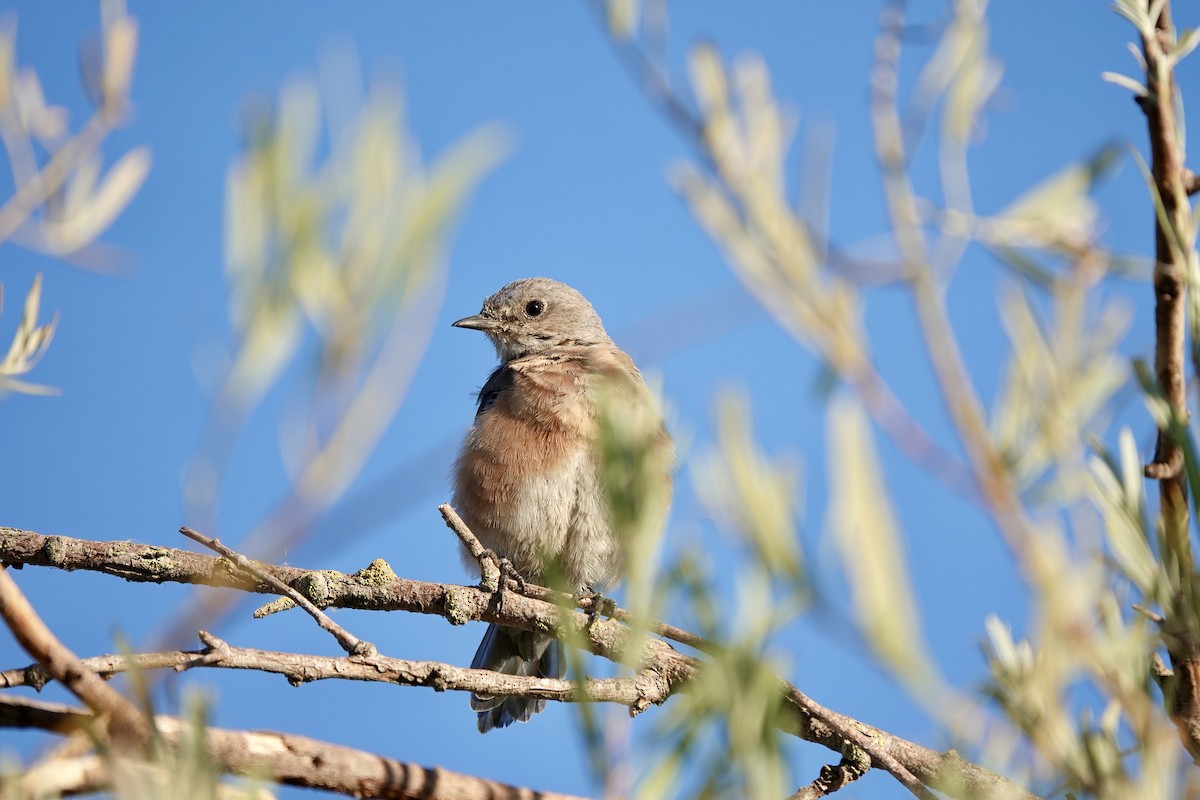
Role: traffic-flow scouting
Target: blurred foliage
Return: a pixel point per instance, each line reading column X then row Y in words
column 335, row 241
column 63, row 197
column 1071, row 707
column 28, row 345
column 335, row 238
column 176, row 766
column 863, row 526
column 722, row 737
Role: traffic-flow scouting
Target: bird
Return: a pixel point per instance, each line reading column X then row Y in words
column 528, row 479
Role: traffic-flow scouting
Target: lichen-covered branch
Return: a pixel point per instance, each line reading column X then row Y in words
column 636, row 692
column 349, row 642
column 377, row 588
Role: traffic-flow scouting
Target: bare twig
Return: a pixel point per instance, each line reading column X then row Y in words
column 637, row 692
column 1149, row 614
column 20, row 712
column 852, row 735
column 349, row 642
column 459, row 604
column 489, row 569
column 835, row 776
column 1170, row 269
column 126, row 724
column 675, row 634
column 654, row 81
column 285, row 758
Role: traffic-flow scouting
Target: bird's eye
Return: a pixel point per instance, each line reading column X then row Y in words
column 534, row 308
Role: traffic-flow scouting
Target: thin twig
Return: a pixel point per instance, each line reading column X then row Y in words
column 654, row 81
column 1174, row 256
column 833, row 777
column 851, row 734
column 1149, row 614
column 637, row 692
column 22, row 712
column 489, row 569
column 349, row 642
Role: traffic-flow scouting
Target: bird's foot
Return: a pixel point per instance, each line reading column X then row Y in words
column 508, row 571
column 598, row 605
column 502, row 571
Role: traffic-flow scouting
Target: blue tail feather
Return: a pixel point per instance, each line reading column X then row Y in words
column 511, row 651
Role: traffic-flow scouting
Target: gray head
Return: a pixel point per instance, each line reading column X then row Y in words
column 535, row 314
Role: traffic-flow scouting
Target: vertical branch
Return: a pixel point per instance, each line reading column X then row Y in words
column 954, row 382
column 1170, row 268
column 1172, row 247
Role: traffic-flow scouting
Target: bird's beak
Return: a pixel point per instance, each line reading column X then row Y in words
column 479, row 322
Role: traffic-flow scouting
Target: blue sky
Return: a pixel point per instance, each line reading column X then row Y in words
column 583, row 199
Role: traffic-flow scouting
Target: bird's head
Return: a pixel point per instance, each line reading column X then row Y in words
column 533, row 315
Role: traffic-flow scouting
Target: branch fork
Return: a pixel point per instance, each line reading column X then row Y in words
column 349, row 642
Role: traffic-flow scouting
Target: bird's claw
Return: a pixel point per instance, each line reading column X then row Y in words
column 504, row 572
column 599, row 606
column 507, row 570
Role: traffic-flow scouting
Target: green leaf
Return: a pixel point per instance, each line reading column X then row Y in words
column 29, row 344
column 90, row 216
column 1137, row 87
column 863, row 526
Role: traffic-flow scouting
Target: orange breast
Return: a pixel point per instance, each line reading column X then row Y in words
column 534, row 426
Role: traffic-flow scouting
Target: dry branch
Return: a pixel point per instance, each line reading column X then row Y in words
column 493, row 577
column 489, row 567
column 125, row 723
column 832, row 778
column 378, row 589
column 288, row 759
column 349, row 642
column 636, row 692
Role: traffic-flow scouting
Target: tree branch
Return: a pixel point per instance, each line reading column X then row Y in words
column 835, row 776
column 491, row 576
column 637, row 692
column 19, row 712
column 286, row 758
column 349, row 642
column 377, row 588
column 125, row 723
column 489, row 567
column 1172, row 253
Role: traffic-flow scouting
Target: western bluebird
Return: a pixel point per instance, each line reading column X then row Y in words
column 528, row 481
